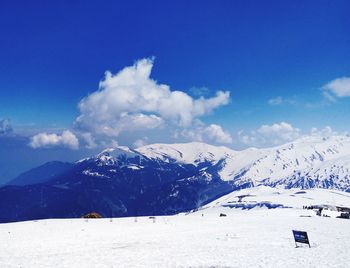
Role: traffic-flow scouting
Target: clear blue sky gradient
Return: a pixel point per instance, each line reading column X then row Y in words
column 54, row 53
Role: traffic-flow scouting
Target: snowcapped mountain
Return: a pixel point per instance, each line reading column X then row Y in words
column 170, row 178
column 305, row 163
column 116, row 182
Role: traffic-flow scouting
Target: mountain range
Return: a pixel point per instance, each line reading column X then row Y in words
column 171, row 178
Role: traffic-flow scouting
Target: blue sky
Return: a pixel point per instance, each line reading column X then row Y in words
column 279, row 61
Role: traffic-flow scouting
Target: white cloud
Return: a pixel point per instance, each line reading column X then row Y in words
column 281, row 130
column 247, row 139
column 109, row 143
column 45, row 140
column 140, row 143
column 339, row 87
column 139, row 121
column 5, row 127
column 276, row 101
column 281, row 100
column 130, row 100
column 216, row 133
column 270, row 135
column 281, row 133
column 325, row 132
column 199, row 91
column 211, row 133
column 328, row 96
column 89, row 140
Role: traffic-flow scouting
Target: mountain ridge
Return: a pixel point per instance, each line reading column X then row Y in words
column 171, row 178
column 275, row 165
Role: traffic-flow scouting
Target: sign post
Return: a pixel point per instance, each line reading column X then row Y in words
column 301, row 237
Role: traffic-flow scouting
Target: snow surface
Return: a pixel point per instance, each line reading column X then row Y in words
column 110, row 156
column 189, row 153
column 294, row 198
column 258, row 237
column 93, row 174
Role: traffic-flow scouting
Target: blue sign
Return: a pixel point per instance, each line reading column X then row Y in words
column 300, row 237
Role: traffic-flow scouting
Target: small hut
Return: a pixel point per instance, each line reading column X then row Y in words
column 92, row 215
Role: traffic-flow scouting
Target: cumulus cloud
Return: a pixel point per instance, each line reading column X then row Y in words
column 90, row 142
column 281, row 100
column 140, row 142
column 276, row 101
column 280, row 133
column 327, row 95
column 199, row 91
column 325, row 132
column 45, row 140
column 109, row 143
column 211, row 133
column 281, row 130
column 5, row 127
column 339, row 87
column 249, row 139
column 131, row 100
column 138, row 121
column 270, row 135
column 216, row 133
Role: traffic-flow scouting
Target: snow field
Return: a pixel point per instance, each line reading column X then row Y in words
column 253, row 238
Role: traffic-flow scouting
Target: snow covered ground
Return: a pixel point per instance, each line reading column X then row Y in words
column 274, row 196
column 258, row 237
